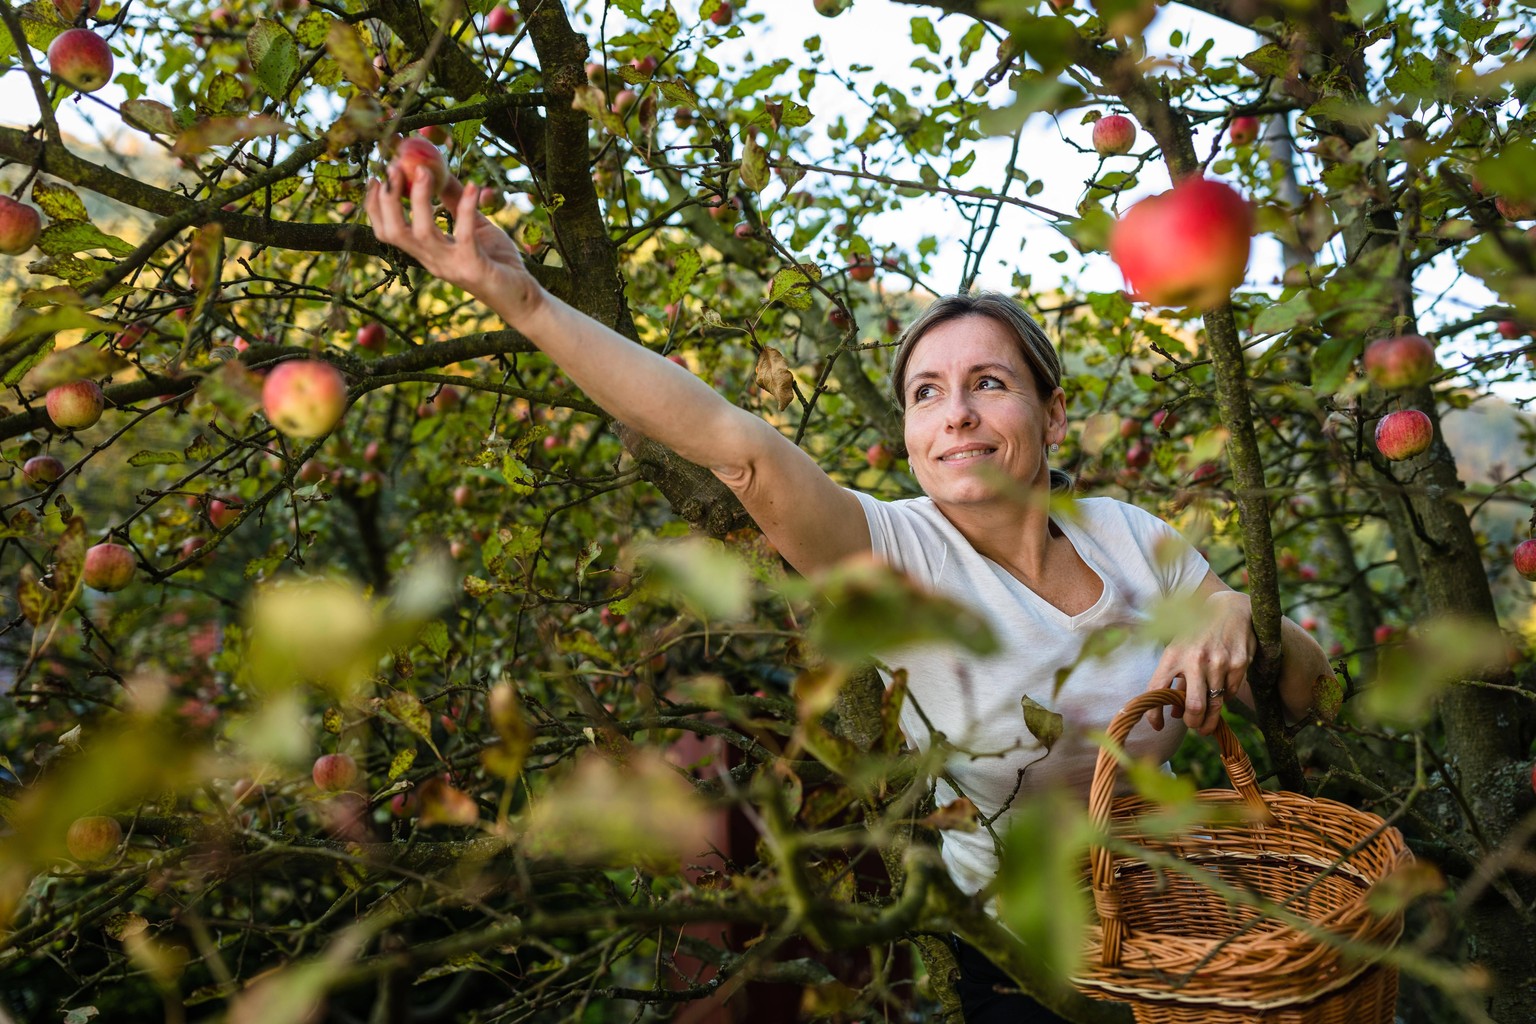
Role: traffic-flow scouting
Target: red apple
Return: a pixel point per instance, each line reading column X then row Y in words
column 1187, row 246
column 879, row 456
column 1525, row 559
column 81, row 58
column 1114, row 135
column 20, row 225
column 1138, row 455
column 1307, row 572
column 69, row 10
column 75, row 405
column 42, row 470
column 222, row 512
column 108, row 567
column 1309, row 624
column 1243, row 130
column 502, row 21
column 722, row 15
column 371, row 337
column 1510, row 330
column 1130, row 427
column 446, row 400
column 433, row 133
column 462, row 496
column 645, row 65
column 1515, row 209
column 861, row 269
column 623, row 100
column 333, row 772
column 312, row 472
column 1383, row 634
column 1164, row 420
column 93, row 838
column 1403, row 434
column 839, row 318
column 415, row 156
column 304, row 398
column 190, row 549
column 1205, row 475
column 1402, row 362
column 744, row 230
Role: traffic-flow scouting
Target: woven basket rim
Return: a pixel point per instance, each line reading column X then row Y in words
column 1189, row 969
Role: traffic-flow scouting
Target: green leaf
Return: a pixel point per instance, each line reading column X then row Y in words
column 58, row 201
column 149, row 458
column 1043, row 724
column 793, row 281
column 760, row 79
column 1331, row 362
column 60, row 318
column 274, row 57
column 1039, row 892
column 754, row 164
column 870, row 609
column 704, row 574
column 688, row 263
column 924, row 34
column 1270, row 60
column 1283, row 316
column 434, row 637
column 67, row 237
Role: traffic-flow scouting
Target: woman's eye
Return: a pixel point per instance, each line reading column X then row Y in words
column 993, row 381
column 922, row 393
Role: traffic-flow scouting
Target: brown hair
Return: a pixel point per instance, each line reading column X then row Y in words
column 1038, row 352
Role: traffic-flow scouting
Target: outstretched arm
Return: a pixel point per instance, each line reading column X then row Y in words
column 804, row 514
column 1216, row 656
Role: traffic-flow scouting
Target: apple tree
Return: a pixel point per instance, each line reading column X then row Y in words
column 356, row 666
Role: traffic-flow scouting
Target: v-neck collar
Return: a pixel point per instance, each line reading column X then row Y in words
column 1074, row 622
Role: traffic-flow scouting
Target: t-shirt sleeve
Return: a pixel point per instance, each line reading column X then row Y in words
column 903, row 539
column 1178, row 567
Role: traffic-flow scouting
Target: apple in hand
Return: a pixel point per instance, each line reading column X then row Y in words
column 1525, row 559
column 1114, row 135
column 42, row 470
column 81, row 58
column 334, row 772
column 1184, row 247
column 502, row 21
column 1403, row 434
column 93, row 838
column 20, row 225
column 304, row 398
column 108, row 567
column 1243, row 130
column 1402, row 362
column 416, row 157
column 76, row 405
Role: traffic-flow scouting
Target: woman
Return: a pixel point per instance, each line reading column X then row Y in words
column 979, row 386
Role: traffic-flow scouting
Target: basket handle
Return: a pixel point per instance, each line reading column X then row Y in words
column 1102, row 793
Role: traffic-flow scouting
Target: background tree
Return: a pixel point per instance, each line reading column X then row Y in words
column 428, row 707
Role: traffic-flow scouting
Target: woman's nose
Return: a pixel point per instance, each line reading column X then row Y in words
column 959, row 412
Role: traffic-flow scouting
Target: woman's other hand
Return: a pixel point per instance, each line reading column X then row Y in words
column 478, row 257
column 1210, row 663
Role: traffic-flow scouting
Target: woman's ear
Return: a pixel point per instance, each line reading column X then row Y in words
column 1056, row 417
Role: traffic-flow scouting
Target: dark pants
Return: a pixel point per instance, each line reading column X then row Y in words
column 980, row 980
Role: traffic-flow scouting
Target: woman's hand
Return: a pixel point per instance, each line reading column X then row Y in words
column 1210, row 664
column 478, row 256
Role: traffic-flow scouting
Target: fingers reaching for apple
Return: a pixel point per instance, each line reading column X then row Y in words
column 478, row 256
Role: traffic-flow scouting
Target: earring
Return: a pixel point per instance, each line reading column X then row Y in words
column 1055, row 447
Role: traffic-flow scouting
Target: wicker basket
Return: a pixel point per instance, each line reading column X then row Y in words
column 1180, row 952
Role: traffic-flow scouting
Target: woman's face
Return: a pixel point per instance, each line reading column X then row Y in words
column 976, row 427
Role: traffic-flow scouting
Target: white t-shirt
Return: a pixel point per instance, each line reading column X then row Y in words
column 976, row 701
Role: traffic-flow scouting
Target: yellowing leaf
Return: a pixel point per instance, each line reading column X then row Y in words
column 221, row 131
column 347, row 49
